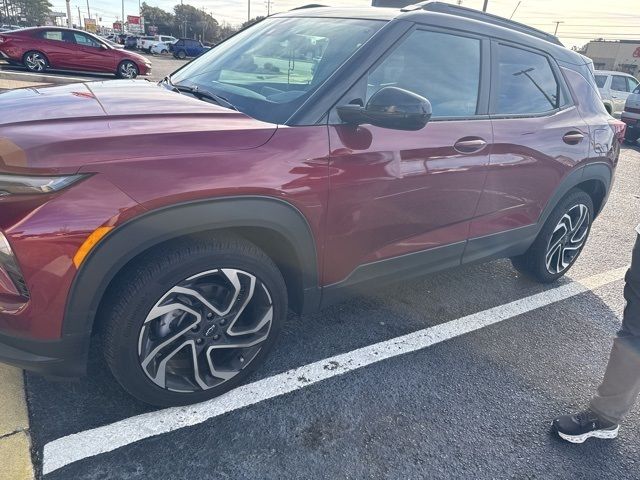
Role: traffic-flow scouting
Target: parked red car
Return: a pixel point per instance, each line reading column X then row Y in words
column 316, row 153
column 42, row 48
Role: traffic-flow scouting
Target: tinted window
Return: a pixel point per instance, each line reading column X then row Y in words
column 601, row 80
column 85, row 40
column 619, row 83
column 632, row 84
column 443, row 68
column 526, row 83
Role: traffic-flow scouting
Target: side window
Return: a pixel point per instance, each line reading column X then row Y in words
column 632, row 84
column 619, row 83
column 85, row 40
column 55, row 35
column 526, row 83
column 601, row 80
column 441, row 67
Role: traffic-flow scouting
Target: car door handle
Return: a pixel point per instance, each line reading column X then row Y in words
column 469, row 145
column 573, row 138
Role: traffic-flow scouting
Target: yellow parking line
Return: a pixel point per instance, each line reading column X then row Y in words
column 15, row 448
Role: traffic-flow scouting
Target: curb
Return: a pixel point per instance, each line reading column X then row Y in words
column 38, row 78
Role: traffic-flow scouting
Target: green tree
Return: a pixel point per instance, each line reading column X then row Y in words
column 165, row 21
column 25, row 12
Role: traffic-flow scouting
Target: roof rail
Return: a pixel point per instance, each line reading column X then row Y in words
column 441, row 7
column 311, row 5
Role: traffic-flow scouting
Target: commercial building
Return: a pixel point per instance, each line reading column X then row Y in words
column 620, row 55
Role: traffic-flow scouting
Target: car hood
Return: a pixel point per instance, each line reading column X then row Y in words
column 61, row 129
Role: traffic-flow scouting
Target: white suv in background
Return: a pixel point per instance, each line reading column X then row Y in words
column 614, row 88
column 631, row 116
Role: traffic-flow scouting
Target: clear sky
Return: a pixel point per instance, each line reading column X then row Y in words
column 583, row 19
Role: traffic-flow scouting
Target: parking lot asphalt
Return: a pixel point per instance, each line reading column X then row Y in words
column 477, row 405
column 162, row 65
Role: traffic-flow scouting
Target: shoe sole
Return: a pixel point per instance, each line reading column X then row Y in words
column 603, row 434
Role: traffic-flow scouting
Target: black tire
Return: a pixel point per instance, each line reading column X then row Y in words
column 533, row 262
column 150, row 281
column 127, row 69
column 35, row 61
column 181, row 54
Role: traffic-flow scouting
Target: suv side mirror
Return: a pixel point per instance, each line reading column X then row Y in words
column 390, row 107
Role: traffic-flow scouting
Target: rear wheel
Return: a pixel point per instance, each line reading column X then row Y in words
column 181, row 54
column 35, row 61
column 561, row 239
column 193, row 319
column 127, row 69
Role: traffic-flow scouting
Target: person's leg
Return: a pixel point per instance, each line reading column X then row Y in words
column 621, row 385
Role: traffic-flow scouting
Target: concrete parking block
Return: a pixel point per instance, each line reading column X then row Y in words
column 15, row 457
column 13, row 408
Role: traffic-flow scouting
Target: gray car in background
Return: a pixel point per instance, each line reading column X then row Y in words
column 631, row 116
column 614, row 88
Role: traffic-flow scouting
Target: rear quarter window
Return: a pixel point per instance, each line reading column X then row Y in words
column 601, row 80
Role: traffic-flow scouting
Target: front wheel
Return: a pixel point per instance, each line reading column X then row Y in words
column 127, row 69
column 193, row 319
column 35, row 62
column 561, row 239
column 181, row 54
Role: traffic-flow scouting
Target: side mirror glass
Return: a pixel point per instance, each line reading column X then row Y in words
column 391, row 107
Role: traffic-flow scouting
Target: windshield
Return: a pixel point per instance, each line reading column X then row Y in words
column 270, row 69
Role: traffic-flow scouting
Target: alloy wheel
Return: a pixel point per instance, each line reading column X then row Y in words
column 567, row 239
column 205, row 330
column 128, row 70
column 35, row 62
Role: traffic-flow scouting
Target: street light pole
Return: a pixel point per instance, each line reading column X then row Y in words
column 248, row 10
column 88, row 10
column 122, row 24
column 486, row 4
column 69, row 22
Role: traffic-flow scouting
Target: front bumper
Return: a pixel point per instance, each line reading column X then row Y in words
column 64, row 358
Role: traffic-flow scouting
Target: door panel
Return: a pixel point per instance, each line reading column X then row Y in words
column 394, row 193
column 528, row 160
column 59, row 48
column 538, row 139
column 90, row 56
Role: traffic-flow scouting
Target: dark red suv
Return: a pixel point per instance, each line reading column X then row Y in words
column 317, row 153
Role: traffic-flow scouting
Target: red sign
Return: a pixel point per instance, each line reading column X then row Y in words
column 131, row 20
column 637, row 53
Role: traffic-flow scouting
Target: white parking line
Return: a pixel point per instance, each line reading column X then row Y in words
column 89, row 443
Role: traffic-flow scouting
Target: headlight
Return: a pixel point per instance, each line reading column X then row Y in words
column 29, row 185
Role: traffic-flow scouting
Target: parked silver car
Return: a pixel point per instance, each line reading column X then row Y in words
column 631, row 116
column 614, row 88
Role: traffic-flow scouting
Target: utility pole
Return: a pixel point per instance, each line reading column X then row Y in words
column 79, row 19
column 557, row 25
column 268, row 8
column 248, row 10
column 69, row 22
column 486, row 4
column 122, row 23
column 88, row 10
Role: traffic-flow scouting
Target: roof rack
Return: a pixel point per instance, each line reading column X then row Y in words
column 440, row 7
